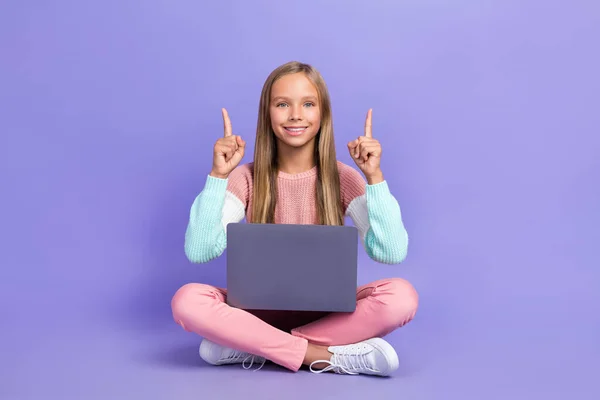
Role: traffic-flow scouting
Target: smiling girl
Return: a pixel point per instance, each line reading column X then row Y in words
column 295, row 178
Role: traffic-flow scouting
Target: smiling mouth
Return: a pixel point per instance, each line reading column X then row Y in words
column 295, row 130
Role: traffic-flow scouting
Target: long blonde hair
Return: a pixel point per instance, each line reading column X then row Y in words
column 328, row 197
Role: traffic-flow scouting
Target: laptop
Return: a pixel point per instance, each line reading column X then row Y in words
column 292, row 267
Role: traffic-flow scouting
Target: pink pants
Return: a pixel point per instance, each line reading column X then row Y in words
column 283, row 336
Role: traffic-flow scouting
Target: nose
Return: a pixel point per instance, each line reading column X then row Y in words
column 296, row 113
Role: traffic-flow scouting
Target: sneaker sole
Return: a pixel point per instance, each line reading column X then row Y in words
column 389, row 353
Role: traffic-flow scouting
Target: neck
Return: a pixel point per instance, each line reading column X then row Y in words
column 296, row 160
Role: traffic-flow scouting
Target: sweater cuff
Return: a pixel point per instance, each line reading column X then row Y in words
column 215, row 185
column 378, row 189
column 381, row 202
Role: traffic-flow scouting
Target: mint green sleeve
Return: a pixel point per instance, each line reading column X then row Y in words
column 386, row 238
column 205, row 236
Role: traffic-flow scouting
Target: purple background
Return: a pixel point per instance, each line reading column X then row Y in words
column 488, row 115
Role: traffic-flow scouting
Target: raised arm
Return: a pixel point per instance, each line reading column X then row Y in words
column 372, row 207
column 217, row 204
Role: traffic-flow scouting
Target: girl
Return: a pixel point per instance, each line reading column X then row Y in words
column 296, row 179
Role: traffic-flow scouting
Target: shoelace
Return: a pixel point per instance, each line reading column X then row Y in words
column 347, row 360
column 241, row 356
column 252, row 359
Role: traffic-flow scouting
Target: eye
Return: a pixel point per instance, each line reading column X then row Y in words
column 309, row 104
column 281, row 104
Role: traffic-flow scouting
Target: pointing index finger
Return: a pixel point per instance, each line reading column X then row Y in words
column 368, row 130
column 226, row 123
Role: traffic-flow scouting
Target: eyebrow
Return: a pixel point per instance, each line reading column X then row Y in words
column 286, row 98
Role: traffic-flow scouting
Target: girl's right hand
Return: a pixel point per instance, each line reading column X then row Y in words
column 228, row 151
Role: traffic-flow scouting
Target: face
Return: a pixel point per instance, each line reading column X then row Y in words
column 294, row 110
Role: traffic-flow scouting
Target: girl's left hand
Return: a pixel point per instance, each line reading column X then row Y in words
column 366, row 153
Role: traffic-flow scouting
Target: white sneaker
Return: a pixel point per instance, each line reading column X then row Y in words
column 372, row 357
column 216, row 354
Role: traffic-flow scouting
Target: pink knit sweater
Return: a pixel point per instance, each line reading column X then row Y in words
column 372, row 208
column 295, row 193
